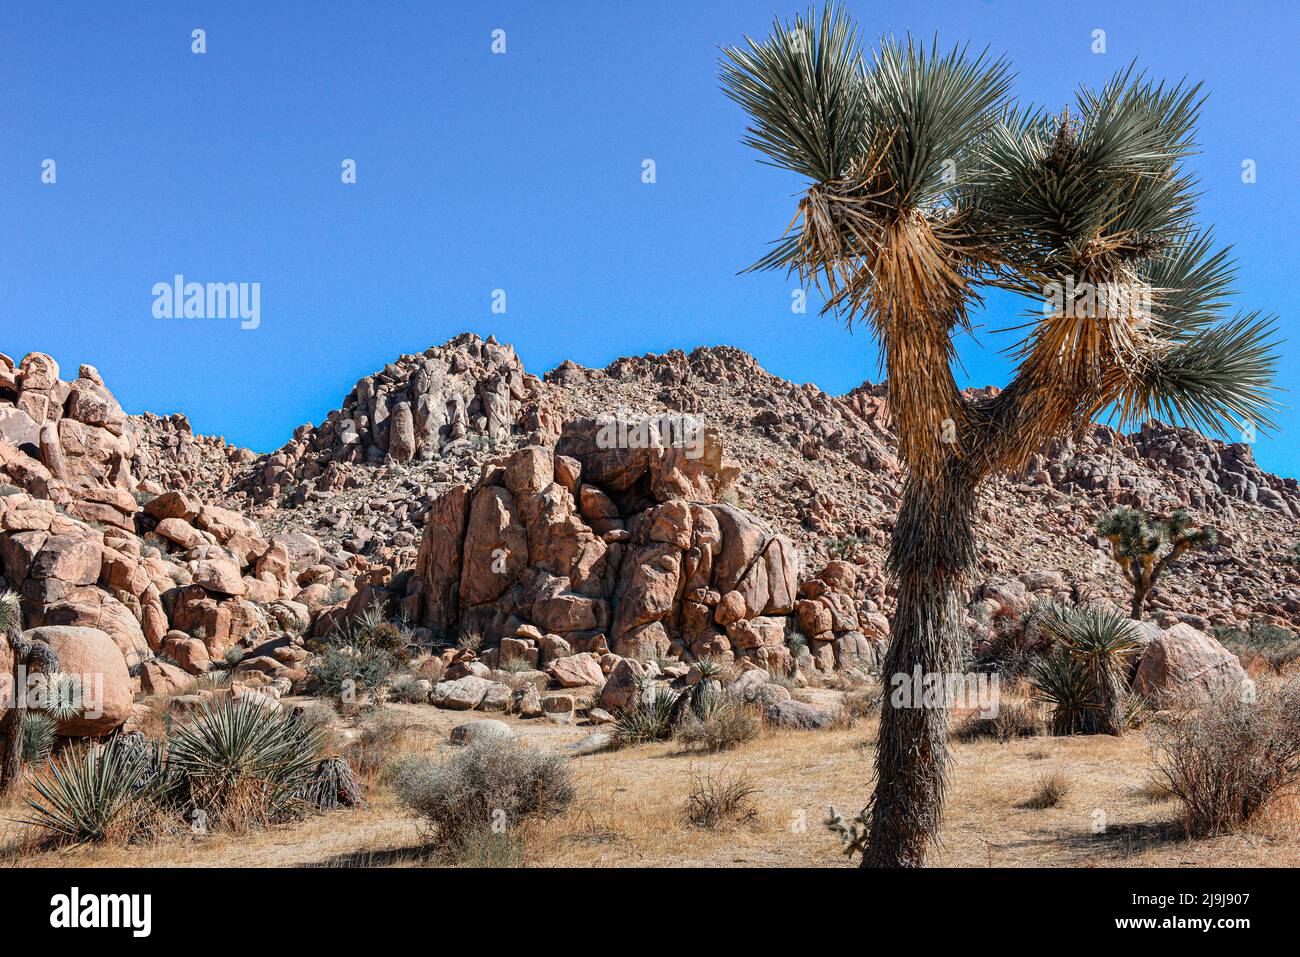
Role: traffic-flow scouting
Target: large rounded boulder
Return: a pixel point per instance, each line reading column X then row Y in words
column 96, row 661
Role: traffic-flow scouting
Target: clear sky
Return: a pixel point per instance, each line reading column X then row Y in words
column 519, row 171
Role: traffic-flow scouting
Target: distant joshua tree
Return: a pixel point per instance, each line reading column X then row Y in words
column 924, row 184
column 1144, row 549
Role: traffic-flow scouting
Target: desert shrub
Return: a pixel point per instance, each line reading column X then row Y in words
column 376, row 745
column 320, row 715
column 722, row 724
column 490, row 849
column 1225, row 757
column 245, row 766
column 1084, row 679
column 857, row 705
column 643, row 721
column 94, row 794
column 470, row 640
column 1261, row 642
column 348, row 674
column 482, row 788
column 797, row 644
column 1060, row 681
column 515, row 665
column 1013, row 720
column 38, row 737
column 1011, row 645
column 710, row 669
column 721, row 800
column 1051, row 788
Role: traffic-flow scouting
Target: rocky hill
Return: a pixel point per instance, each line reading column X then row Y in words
column 819, row 467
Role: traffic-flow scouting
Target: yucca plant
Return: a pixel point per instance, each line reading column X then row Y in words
column 1144, row 549
column 1101, row 640
column 1084, row 679
column 92, row 794
column 244, row 765
column 333, row 784
column 710, row 669
column 924, row 185
column 1061, row 681
column 647, row 718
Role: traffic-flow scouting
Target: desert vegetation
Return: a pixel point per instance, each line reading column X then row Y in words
column 925, row 184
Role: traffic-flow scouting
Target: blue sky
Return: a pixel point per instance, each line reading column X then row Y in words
column 521, row 172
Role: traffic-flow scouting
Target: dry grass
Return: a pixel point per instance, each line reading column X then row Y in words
column 628, row 811
column 1050, row 790
column 721, row 800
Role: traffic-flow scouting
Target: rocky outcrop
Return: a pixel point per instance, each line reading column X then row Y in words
column 468, row 393
column 613, row 541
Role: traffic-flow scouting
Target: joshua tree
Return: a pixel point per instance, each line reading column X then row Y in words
column 923, row 185
column 35, row 656
column 1145, row 549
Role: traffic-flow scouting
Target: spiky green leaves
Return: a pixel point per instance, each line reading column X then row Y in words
column 1100, row 182
column 88, row 794
column 11, row 614
column 240, row 759
column 925, row 109
column 1084, row 678
column 802, row 89
column 1217, row 380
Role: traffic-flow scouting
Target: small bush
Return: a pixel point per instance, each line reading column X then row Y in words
column 407, row 688
column 482, row 788
column 376, row 745
column 723, row 725
column 470, row 641
column 348, row 674
column 1225, row 758
column 857, row 705
column 1013, row 720
column 710, row 669
column 1051, row 789
column 645, row 721
column 721, row 801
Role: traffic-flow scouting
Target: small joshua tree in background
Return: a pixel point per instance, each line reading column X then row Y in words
column 1144, row 549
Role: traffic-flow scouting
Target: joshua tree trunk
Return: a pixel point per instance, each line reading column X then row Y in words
column 37, row 657
column 12, row 766
column 1139, row 600
column 931, row 556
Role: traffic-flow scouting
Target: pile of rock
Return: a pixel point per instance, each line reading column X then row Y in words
column 417, row 409
column 596, row 546
column 71, row 443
